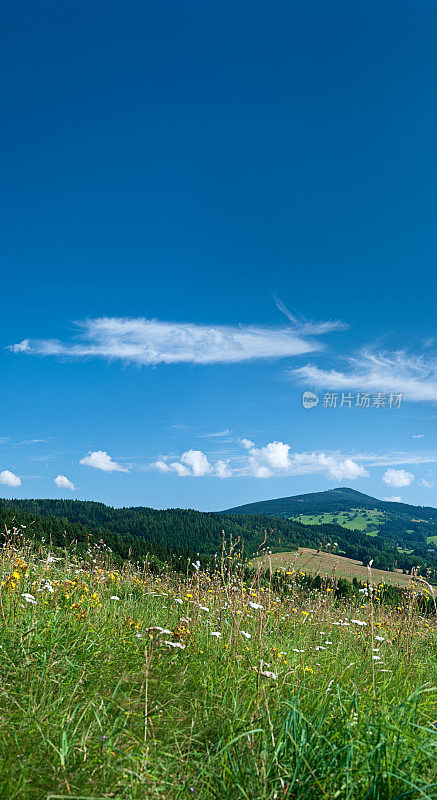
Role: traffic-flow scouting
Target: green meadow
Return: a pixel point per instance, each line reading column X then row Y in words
column 356, row 520
column 144, row 683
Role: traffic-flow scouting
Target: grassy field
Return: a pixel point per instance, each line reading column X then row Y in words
column 357, row 520
column 315, row 563
column 131, row 685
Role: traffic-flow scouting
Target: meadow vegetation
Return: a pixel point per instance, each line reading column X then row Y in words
column 223, row 682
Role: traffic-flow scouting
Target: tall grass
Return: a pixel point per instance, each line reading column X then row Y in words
column 291, row 700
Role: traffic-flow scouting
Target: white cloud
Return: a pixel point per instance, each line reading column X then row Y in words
column 398, row 458
column 21, row 347
column 222, row 469
column 395, row 499
column 306, row 326
column 197, row 462
column 414, row 376
column 216, row 434
column 247, row 444
column 398, row 477
column 9, row 479
column 148, row 342
column 100, row 459
column 418, row 436
column 192, row 462
column 427, row 484
column 64, row 483
column 181, row 470
column 276, row 458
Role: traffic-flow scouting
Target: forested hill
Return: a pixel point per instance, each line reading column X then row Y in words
column 178, row 534
column 173, row 530
column 332, row 502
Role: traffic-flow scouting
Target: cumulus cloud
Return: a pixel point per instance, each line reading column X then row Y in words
column 222, row 469
column 100, row 459
column 9, row 479
column 64, row 483
column 398, row 372
column 395, row 499
column 247, row 444
column 398, row 477
column 418, row 435
column 274, row 459
column 192, row 462
column 277, row 458
column 148, row 342
column 427, row 484
column 197, row 462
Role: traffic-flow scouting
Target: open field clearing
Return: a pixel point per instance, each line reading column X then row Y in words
column 316, row 563
column 132, row 685
column 357, row 520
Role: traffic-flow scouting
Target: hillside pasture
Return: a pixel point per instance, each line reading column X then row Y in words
column 356, row 520
column 320, row 563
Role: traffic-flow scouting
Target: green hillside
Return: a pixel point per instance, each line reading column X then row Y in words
column 333, row 501
column 176, row 534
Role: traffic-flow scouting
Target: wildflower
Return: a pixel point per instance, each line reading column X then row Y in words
column 267, row 673
column 204, row 608
column 175, row 644
column 215, row 633
column 379, row 638
column 246, row 634
column 158, row 629
column 114, row 597
column 255, row 605
column 359, row 622
column 29, row 598
column 376, row 658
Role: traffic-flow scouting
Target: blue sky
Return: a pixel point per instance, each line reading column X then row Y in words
column 208, row 209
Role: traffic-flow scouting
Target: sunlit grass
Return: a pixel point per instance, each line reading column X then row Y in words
column 132, row 685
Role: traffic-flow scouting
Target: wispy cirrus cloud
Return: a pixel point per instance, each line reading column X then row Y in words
column 216, row 434
column 415, row 376
column 398, row 457
column 149, row 342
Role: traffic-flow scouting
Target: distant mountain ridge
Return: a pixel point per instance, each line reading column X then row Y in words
column 394, row 535
column 342, row 498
